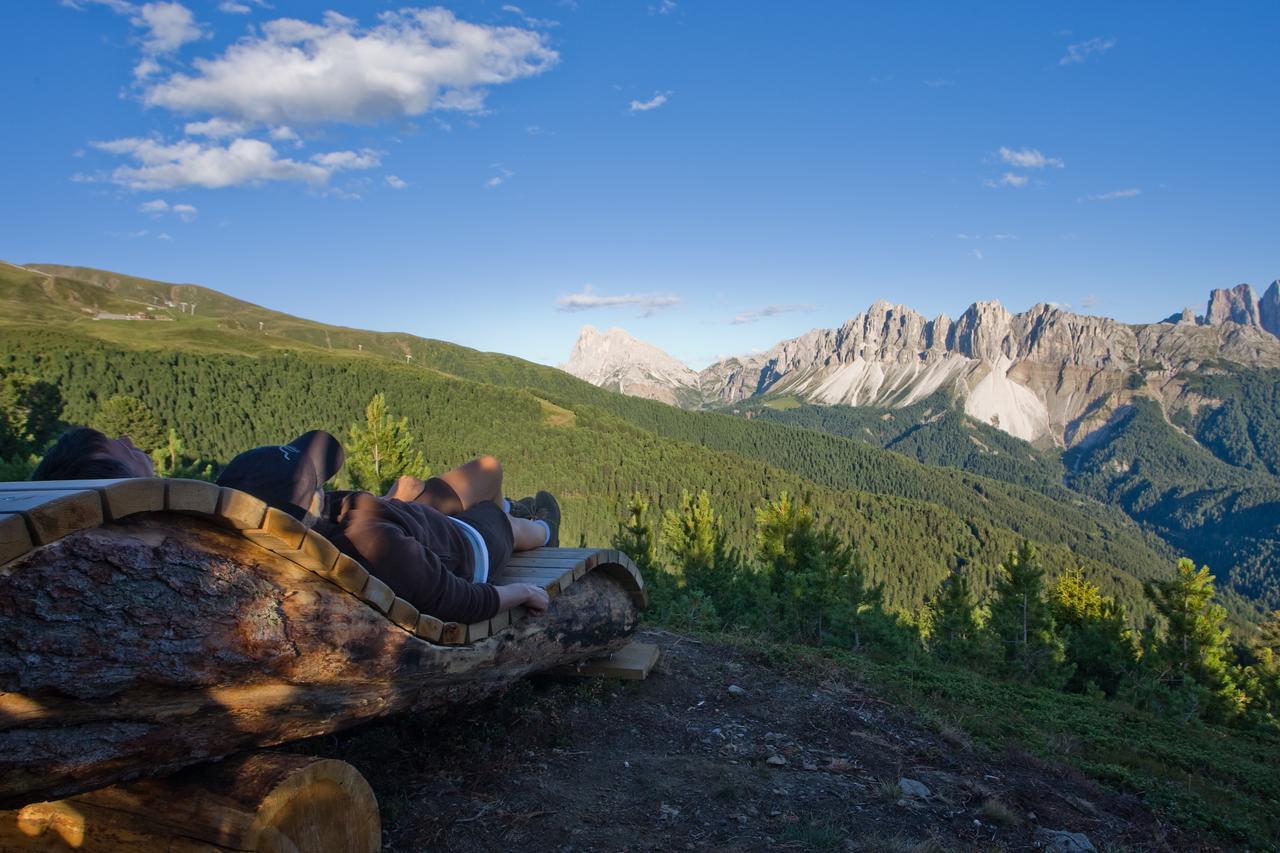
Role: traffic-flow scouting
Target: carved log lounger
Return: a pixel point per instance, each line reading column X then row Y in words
column 147, row 625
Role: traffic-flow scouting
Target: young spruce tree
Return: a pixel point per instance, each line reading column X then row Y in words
column 382, row 450
column 1099, row 647
column 1022, row 624
column 951, row 618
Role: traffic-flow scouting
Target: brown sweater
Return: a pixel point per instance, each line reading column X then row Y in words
column 415, row 549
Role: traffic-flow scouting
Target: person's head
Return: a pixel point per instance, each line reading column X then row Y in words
column 82, row 453
column 289, row 477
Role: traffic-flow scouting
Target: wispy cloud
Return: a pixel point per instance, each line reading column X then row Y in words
column 588, row 300
column 1008, row 179
column 160, row 165
column 1028, row 158
column 744, row 317
column 500, row 178
column 536, row 23
column 658, row 99
column 396, row 183
column 663, row 7
column 1082, row 50
column 987, row 237
column 165, row 27
column 1131, row 192
column 233, row 8
column 215, row 128
column 977, row 253
column 159, row 207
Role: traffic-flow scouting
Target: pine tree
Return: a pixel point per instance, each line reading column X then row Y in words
column 382, row 451
column 1022, row 624
column 694, row 536
column 951, row 620
column 1195, row 651
column 636, row 537
column 1099, row 647
column 124, row 415
column 29, row 413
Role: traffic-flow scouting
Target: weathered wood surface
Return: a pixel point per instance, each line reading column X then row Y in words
column 146, row 645
column 632, row 662
column 260, row 802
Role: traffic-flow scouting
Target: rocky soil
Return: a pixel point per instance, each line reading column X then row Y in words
column 717, row 751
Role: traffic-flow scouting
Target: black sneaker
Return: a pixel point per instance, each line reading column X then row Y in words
column 522, row 508
column 546, row 508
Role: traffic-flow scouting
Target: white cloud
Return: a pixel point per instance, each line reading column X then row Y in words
column 977, row 253
column 658, row 99
column 1008, row 179
column 162, row 236
column 364, row 159
column 988, row 237
column 215, row 128
column 185, row 212
column 146, row 67
column 168, row 26
column 664, row 7
column 1113, row 195
column 1081, row 51
column 588, row 299
column 284, row 134
column 413, row 61
column 495, row 181
column 744, row 317
column 396, row 183
column 189, row 163
column 158, row 205
column 1028, row 158
column 232, row 8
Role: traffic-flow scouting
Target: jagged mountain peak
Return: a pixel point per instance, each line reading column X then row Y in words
column 618, row 360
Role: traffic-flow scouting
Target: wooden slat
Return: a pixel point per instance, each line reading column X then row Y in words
column 429, row 628
column 349, row 575
column 377, row 594
column 477, row 631
column 315, row 554
column 15, row 539
column 54, row 514
column 500, row 622
column 239, row 510
column 279, row 531
column 560, row 562
column 403, row 614
column 632, row 662
column 191, row 496
column 453, row 634
column 129, row 497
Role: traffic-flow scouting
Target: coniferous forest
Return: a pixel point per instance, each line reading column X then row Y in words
column 821, row 529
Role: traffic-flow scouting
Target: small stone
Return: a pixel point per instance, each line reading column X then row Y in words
column 1061, row 841
column 737, row 691
column 913, row 789
column 776, row 760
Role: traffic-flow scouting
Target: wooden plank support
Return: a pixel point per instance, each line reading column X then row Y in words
column 194, row 496
column 315, row 553
column 278, row 532
column 15, row 539
column 239, row 510
column 404, row 614
column 429, row 628
column 377, row 594
column 53, row 514
column 454, row 634
column 349, row 575
column 632, row 662
column 478, row 631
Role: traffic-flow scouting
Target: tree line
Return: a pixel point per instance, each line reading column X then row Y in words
column 804, row 582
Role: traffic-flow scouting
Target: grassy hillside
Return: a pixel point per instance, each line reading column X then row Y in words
column 593, row 446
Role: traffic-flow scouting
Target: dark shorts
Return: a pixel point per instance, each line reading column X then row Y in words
column 491, row 523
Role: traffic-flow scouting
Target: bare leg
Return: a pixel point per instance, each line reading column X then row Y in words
column 527, row 534
column 478, row 480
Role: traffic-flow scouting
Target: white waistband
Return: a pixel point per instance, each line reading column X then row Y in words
column 478, row 549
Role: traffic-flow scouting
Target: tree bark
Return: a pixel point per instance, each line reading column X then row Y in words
column 260, row 802
column 144, row 646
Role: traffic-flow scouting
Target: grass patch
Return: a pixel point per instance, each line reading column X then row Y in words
column 782, row 404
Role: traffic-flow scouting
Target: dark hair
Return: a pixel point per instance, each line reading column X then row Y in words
column 76, row 455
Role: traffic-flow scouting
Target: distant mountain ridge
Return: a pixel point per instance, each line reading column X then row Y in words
column 1038, row 375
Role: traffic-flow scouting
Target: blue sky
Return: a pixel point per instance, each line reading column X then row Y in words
column 711, row 176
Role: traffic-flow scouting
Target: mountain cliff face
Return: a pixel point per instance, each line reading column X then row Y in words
column 616, row 360
column 1036, row 375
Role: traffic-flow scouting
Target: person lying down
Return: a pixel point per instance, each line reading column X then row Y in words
column 435, row 542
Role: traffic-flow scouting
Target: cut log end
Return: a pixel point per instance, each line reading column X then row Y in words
column 265, row 802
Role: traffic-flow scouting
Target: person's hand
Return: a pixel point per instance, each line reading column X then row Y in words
column 536, row 599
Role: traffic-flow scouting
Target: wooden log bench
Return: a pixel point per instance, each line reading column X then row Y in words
column 149, row 625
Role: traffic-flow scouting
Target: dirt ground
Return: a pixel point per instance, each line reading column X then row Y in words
column 682, row 762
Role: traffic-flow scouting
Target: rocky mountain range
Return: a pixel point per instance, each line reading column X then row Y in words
column 1040, row 375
